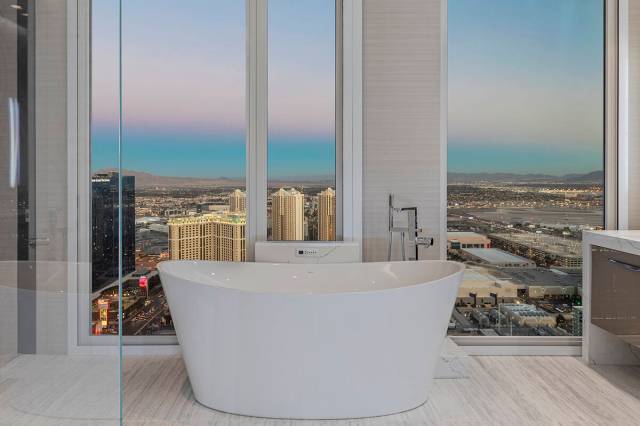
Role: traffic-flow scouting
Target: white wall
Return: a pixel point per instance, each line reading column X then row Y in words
column 633, row 159
column 402, row 143
column 51, row 187
column 51, row 176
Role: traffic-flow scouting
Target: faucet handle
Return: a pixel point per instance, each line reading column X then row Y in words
column 424, row 241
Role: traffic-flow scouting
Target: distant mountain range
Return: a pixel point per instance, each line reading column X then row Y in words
column 148, row 180
column 592, row 177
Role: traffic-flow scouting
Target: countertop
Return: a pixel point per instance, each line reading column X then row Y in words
column 626, row 241
column 598, row 345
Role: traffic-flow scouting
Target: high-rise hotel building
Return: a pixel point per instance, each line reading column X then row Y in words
column 105, row 229
column 208, row 237
column 287, row 214
column 327, row 215
column 238, row 201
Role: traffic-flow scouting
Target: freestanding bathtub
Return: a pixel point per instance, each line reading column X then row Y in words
column 311, row 341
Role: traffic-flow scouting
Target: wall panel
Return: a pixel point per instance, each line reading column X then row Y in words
column 634, row 115
column 401, row 118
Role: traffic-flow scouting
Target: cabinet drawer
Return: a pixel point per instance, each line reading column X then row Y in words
column 615, row 291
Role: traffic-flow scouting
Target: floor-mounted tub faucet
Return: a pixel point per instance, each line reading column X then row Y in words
column 410, row 232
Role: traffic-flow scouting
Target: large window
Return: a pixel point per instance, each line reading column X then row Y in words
column 526, row 143
column 182, row 150
column 302, row 120
column 168, row 170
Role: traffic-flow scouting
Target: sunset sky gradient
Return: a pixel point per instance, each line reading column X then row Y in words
column 184, row 87
column 525, row 86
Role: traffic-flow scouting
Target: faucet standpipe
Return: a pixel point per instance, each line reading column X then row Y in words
column 411, row 232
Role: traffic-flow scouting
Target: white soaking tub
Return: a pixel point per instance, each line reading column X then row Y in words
column 311, row 341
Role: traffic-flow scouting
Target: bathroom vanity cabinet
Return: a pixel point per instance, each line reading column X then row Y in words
column 611, row 297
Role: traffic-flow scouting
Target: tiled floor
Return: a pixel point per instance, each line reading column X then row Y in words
column 499, row 391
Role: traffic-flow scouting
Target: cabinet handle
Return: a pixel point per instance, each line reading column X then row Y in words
column 628, row 266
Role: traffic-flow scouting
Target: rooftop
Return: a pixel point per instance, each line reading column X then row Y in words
column 480, row 281
column 496, row 256
column 463, row 234
column 282, row 192
column 211, row 217
column 523, row 309
column 545, row 277
column 549, row 243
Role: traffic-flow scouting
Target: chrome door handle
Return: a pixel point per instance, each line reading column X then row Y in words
column 44, row 241
column 628, row 266
column 14, row 141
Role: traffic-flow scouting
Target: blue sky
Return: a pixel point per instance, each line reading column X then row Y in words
column 525, row 86
column 184, row 84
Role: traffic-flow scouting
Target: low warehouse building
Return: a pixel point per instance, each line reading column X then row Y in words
column 496, row 257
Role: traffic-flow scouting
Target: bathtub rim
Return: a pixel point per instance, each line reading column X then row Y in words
column 218, row 285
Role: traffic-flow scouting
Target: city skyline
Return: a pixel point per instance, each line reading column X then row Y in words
column 180, row 223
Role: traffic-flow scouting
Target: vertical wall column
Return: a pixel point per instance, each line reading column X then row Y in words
column 257, row 124
column 51, row 187
column 630, row 153
column 404, row 119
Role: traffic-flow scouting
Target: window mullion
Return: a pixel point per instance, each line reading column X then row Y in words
column 262, row 117
column 256, row 107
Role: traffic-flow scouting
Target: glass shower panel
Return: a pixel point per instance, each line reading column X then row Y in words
column 49, row 372
column 183, row 148
column 103, row 177
column 183, row 171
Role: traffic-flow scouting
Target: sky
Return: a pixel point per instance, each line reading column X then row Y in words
column 184, row 87
column 525, row 86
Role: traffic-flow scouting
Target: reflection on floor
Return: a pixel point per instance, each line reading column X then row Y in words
column 58, row 390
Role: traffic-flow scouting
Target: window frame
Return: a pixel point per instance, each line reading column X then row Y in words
column 616, row 144
column 348, row 153
column 348, row 122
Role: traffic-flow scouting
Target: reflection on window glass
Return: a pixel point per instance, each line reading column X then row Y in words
column 302, row 120
column 183, row 150
column 525, row 160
